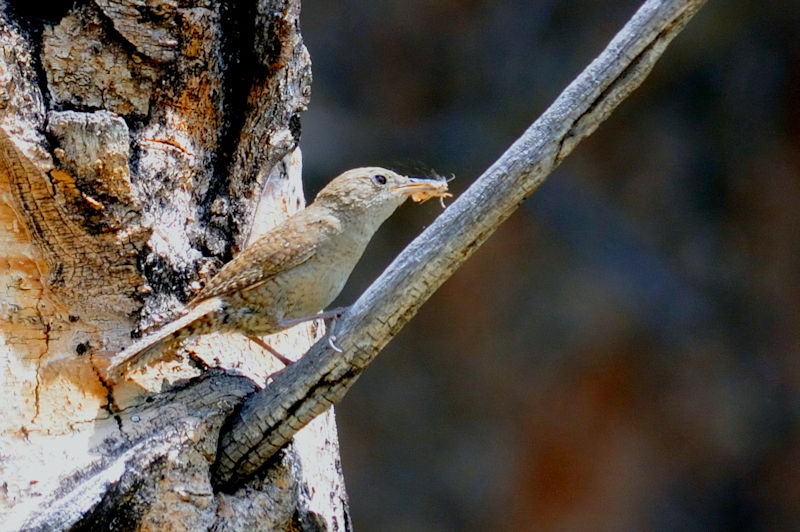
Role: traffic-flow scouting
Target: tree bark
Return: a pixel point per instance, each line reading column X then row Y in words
column 142, row 144
column 126, row 184
column 269, row 418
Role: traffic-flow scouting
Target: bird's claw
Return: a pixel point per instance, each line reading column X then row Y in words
column 332, row 344
column 331, row 334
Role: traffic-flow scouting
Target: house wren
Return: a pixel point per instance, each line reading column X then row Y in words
column 297, row 268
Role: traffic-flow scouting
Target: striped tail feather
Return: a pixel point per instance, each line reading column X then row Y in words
column 145, row 349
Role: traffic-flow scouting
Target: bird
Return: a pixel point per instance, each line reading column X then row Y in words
column 296, row 269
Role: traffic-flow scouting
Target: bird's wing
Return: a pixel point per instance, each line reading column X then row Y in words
column 269, row 255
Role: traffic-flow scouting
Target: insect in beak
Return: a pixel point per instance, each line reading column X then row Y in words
column 422, row 189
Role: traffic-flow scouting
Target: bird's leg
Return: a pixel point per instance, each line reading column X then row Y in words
column 261, row 343
column 332, row 314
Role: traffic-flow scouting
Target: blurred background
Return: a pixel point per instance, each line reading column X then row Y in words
column 624, row 353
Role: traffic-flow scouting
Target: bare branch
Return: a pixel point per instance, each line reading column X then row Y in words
column 269, row 418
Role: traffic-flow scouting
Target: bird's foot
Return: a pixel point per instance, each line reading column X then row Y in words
column 332, row 315
column 331, row 336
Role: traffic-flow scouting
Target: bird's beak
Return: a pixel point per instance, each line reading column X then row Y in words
column 422, row 189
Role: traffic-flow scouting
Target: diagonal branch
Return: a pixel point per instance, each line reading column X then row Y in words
column 269, row 418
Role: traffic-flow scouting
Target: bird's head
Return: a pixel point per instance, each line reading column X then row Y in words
column 376, row 192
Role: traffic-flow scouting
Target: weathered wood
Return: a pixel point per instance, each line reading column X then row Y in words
column 141, row 144
column 269, row 418
column 170, row 436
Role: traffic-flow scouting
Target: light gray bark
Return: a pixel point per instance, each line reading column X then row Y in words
column 141, row 144
column 156, row 218
column 270, row 417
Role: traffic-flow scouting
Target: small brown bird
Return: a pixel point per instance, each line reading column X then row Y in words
column 298, row 268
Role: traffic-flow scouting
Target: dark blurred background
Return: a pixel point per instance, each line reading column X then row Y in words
column 623, row 354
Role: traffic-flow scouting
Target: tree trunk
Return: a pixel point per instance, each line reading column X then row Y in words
column 140, row 147
column 142, row 144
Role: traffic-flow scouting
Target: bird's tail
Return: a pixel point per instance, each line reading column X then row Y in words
column 148, row 349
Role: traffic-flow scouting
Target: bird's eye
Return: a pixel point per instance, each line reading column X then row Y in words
column 380, row 179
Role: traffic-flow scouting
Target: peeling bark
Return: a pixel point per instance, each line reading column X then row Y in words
column 141, row 145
